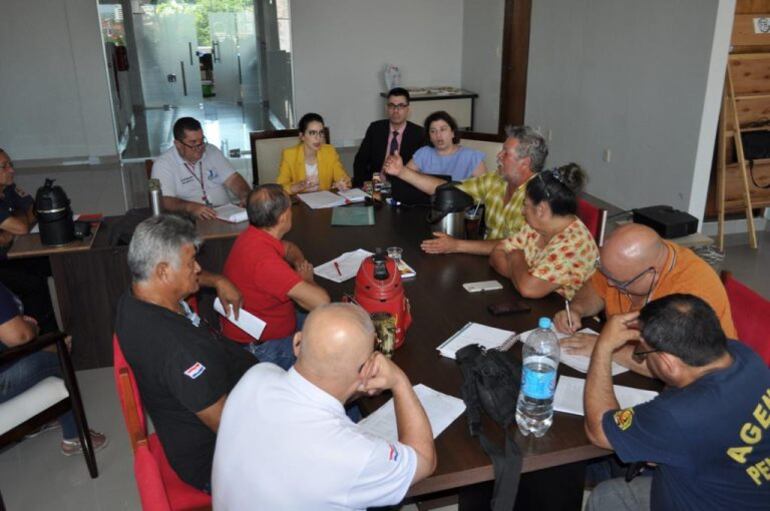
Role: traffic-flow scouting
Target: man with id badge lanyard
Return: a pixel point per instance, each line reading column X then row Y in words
column 195, row 176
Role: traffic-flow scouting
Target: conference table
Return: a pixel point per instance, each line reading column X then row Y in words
column 89, row 283
column 553, row 465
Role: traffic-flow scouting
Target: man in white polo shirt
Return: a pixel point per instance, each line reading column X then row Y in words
column 195, row 176
column 285, row 442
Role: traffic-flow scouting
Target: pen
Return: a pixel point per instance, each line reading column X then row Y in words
column 569, row 314
column 337, row 267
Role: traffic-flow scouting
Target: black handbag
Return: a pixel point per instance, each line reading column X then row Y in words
column 756, row 146
column 491, row 384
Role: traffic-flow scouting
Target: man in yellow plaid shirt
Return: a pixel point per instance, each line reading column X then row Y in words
column 502, row 192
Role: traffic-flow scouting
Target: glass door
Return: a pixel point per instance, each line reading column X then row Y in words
column 167, row 46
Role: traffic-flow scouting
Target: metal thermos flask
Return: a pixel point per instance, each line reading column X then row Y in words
column 156, row 196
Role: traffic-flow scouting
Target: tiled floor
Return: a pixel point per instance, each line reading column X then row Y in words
column 221, row 121
column 35, row 476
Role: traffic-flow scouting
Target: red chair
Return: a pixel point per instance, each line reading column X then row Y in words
column 751, row 315
column 160, row 488
column 594, row 217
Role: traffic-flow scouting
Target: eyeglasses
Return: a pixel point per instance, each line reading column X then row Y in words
column 6, row 165
column 640, row 356
column 196, row 147
column 399, row 106
column 623, row 286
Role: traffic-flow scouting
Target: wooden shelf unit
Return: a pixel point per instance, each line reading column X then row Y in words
column 745, row 103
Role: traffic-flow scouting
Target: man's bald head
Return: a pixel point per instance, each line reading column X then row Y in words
column 630, row 249
column 336, row 340
column 265, row 204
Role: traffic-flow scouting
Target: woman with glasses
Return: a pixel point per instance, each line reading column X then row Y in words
column 312, row 164
column 554, row 251
column 443, row 154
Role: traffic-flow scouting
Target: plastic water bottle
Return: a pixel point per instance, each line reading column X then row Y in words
column 540, row 355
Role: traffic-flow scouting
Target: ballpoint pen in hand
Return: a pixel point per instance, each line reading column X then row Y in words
column 569, row 314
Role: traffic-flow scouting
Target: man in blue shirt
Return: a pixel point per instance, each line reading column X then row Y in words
column 27, row 277
column 708, row 432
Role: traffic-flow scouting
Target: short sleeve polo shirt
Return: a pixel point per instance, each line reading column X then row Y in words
column 286, row 444
column 257, row 267
column 188, row 182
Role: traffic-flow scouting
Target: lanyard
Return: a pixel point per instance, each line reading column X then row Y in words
column 199, row 179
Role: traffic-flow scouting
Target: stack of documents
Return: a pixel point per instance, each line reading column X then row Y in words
column 246, row 321
column 231, row 213
column 441, row 409
column 346, row 268
column 476, row 333
column 353, row 195
column 569, row 395
column 577, row 362
column 321, row 200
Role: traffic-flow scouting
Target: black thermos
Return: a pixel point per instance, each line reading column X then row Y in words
column 54, row 215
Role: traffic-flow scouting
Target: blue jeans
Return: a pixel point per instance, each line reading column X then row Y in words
column 25, row 372
column 278, row 351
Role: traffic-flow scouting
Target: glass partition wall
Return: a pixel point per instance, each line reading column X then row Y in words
column 225, row 62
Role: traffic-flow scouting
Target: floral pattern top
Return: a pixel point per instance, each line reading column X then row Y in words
column 568, row 259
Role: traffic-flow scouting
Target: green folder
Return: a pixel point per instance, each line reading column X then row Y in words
column 353, row 216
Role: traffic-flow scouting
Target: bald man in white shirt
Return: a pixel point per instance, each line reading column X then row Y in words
column 285, row 442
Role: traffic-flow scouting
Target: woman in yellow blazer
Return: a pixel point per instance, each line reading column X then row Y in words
column 312, row 165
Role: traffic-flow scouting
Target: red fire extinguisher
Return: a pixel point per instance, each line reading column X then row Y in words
column 379, row 289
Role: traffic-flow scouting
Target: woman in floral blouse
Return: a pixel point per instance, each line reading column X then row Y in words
column 554, row 251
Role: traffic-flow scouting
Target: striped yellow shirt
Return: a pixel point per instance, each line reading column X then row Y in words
column 502, row 220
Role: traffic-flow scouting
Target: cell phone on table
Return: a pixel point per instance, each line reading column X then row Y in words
column 509, row 307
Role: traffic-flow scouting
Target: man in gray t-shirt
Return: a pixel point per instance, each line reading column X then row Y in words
column 195, row 176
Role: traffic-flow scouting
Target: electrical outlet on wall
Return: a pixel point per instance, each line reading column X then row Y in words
column 607, row 155
column 549, row 135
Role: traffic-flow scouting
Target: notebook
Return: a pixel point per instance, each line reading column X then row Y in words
column 476, row 333
column 568, row 397
column 231, row 213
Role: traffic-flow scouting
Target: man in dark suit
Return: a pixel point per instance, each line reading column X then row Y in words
column 384, row 137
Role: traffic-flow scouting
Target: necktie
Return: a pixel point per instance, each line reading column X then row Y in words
column 394, row 143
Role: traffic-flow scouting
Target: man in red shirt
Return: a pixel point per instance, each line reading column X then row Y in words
column 273, row 276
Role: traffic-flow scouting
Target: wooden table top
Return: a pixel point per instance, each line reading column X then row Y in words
column 440, row 307
column 29, row 245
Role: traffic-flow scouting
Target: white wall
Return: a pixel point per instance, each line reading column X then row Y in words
column 55, row 92
column 341, row 47
column 641, row 79
column 482, row 58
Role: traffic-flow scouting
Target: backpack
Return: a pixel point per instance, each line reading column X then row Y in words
column 491, row 380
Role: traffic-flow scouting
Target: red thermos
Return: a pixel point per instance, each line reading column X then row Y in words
column 379, row 289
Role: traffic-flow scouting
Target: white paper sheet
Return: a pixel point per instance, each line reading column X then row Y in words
column 231, row 213
column 354, row 195
column 348, row 262
column 476, row 333
column 321, row 200
column 441, row 409
column 246, row 321
column 568, row 397
column 577, row 362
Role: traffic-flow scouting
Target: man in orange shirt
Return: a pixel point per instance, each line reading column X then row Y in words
column 636, row 267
